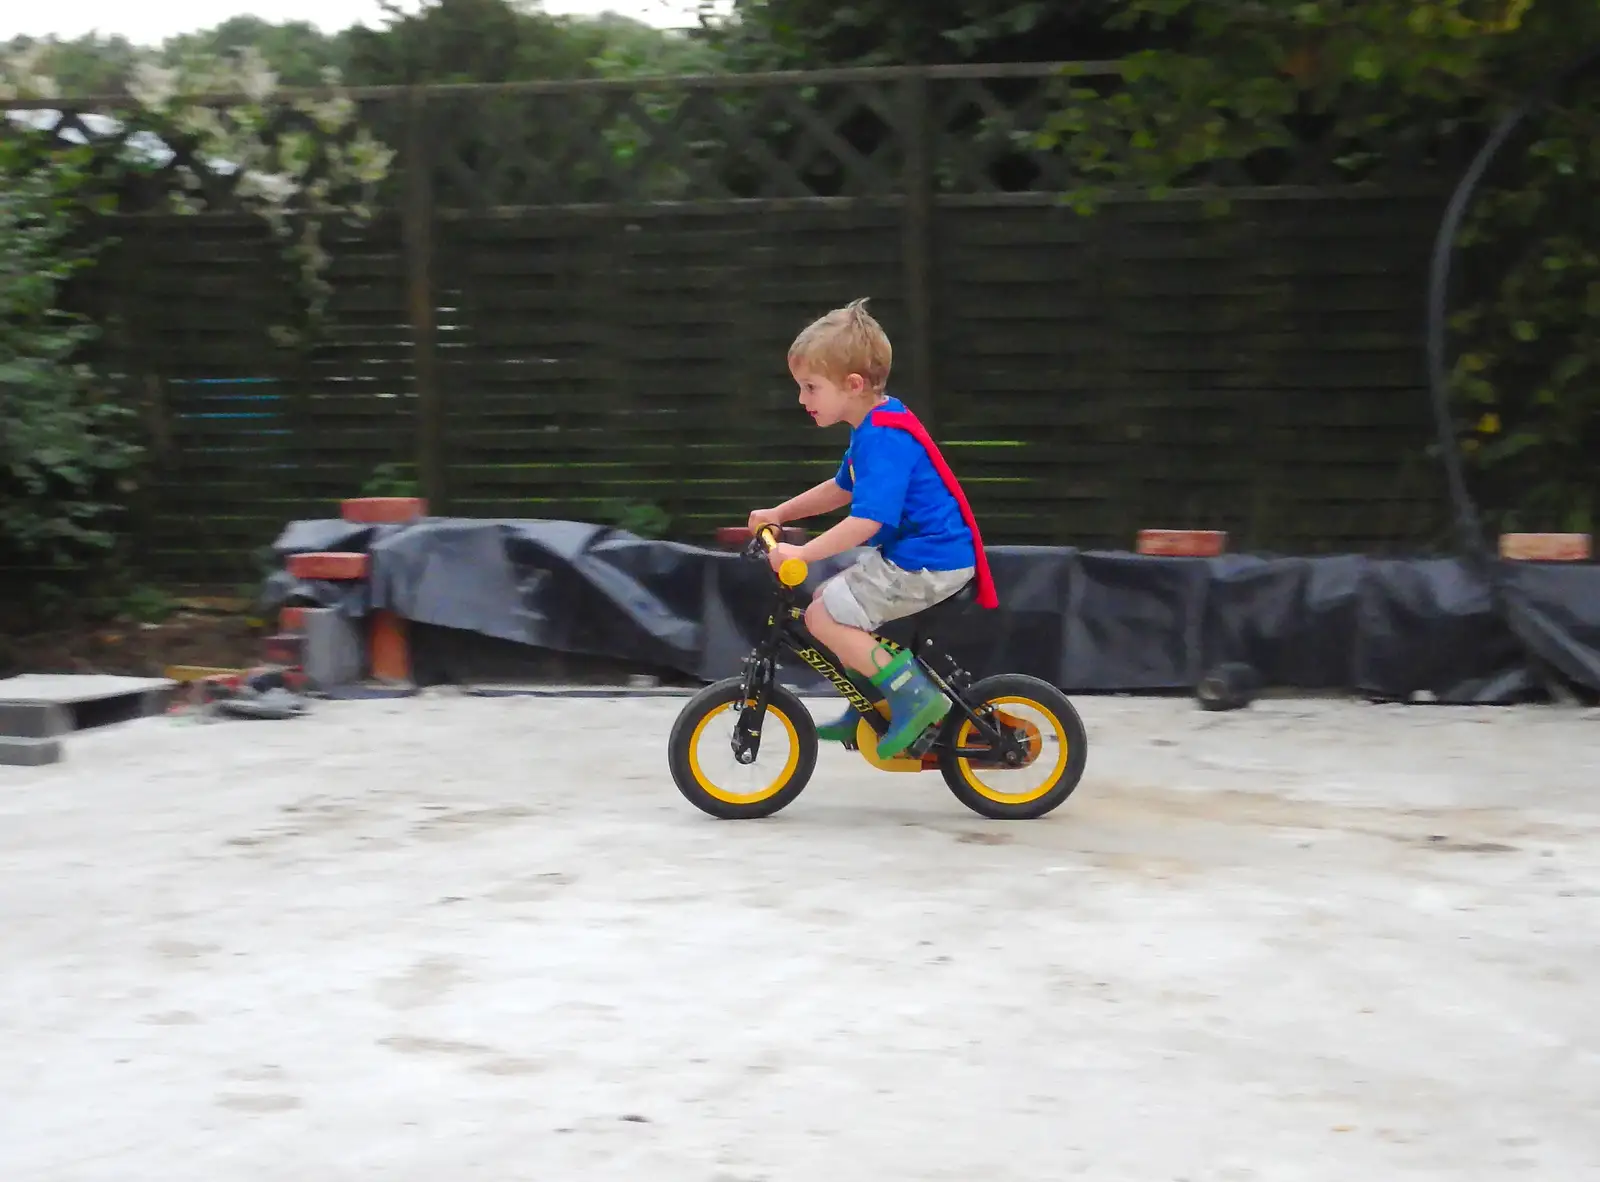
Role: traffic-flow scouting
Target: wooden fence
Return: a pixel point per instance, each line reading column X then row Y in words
column 577, row 299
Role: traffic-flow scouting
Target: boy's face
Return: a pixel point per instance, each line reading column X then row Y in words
column 829, row 402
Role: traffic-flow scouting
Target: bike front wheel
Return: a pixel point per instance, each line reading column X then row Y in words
column 700, row 753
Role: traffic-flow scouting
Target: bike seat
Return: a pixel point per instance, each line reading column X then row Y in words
column 937, row 620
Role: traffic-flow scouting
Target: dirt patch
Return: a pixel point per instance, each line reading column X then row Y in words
column 231, row 639
column 215, row 639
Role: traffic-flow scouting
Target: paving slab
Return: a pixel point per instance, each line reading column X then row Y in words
column 50, row 705
column 20, row 752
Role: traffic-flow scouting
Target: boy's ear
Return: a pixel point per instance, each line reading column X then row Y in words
column 856, row 384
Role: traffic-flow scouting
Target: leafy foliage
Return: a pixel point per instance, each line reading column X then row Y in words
column 437, row 41
column 66, row 457
column 1394, row 90
column 1527, row 378
column 465, row 41
column 300, row 164
column 806, row 34
column 642, row 519
column 67, row 454
column 391, row 480
column 623, row 48
column 90, row 64
column 298, row 53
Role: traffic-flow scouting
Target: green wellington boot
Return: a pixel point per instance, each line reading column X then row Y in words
column 841, row 729
column 915, row 703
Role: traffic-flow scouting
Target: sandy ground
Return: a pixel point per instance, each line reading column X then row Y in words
column 1318, row 941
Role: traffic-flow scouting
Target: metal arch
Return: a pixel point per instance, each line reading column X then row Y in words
column 1469, row 531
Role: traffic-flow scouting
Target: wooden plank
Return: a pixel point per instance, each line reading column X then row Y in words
column 391, row 394
column 417, row 220
column 385, row 268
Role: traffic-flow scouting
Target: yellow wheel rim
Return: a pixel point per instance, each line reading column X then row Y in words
column 728, row 795
column 1009, row 789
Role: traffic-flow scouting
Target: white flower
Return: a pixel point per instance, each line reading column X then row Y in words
column 330, row 115
column 274, row 187
column 256, row 78
column 21, row 75
column 153, row 86
column 203, row 122
column 369, row 159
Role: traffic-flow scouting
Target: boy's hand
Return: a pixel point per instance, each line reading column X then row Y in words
column 782, row 552
column 761, row 517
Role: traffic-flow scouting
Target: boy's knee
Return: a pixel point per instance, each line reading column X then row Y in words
column 817, row 615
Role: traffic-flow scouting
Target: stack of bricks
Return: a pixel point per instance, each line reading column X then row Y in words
column 734, row 537
column 388, row 653
column 1209, row 543
column 1546, row 547
column 1182, row 543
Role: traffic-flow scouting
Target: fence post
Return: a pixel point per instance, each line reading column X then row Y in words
column 917, row 243
column 417, row 236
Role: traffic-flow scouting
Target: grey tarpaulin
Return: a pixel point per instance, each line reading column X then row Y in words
column 1088, row 621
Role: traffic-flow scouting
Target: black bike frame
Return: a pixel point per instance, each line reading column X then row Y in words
column 787, row 632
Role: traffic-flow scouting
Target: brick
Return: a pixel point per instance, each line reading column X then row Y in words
column 738, row 535
column 383, row 510
column 1183, row 543
column 284, row 649
column 1546, row 547
column 292, row 619
column 388, row 647
column 334, row 567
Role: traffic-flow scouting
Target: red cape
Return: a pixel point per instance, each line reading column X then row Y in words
column 907, row 421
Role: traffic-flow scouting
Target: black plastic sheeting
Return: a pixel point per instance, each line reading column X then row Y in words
column 1088, row 621
column 311, row 537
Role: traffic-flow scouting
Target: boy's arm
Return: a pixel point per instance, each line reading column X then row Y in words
column 824, row 498
column 847, row 535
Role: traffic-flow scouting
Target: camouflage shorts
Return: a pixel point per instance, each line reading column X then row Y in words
column 875, row 591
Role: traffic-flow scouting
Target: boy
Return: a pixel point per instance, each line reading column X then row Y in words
column 904, row 503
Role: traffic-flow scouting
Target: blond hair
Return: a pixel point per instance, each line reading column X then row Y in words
column 845, row 341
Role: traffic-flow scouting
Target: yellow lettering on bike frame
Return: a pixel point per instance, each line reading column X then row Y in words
column 866, row 737
column 847, row 688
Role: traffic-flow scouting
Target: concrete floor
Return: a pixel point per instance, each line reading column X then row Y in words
column 463, row 940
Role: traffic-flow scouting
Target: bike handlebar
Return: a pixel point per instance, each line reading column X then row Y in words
column 792, row 571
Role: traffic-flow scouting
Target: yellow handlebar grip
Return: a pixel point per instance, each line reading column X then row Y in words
column 792, row 572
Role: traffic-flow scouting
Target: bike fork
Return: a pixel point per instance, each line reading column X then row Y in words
column 746, row 738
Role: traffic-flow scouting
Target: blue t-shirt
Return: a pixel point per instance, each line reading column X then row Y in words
column 893, row 482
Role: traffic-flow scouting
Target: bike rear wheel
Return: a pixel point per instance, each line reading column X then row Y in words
column 1056, row 749
column 700, row 755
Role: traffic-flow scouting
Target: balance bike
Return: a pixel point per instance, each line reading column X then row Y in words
column 1011, row 748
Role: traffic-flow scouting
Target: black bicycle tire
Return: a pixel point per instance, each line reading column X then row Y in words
column 719, row 693
column 1045, row 695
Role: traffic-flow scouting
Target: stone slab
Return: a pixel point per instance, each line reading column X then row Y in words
column 333, row 653
column 16, row 752
column 75, row 687
column 49, row 705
